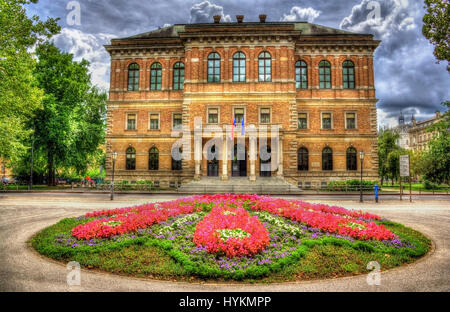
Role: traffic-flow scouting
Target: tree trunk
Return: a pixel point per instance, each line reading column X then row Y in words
column 51, row 170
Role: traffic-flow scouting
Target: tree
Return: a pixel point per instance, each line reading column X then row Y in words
column 71, row 124
column 416, row 167
column 386, row 144
column 435, row 162
column 436, row 28
column 393, row 165
column 19, row 93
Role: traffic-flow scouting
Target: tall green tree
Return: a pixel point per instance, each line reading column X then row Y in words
column 71, row 124
column 393, row 164
column 19, row 92
column 436, row 28
column 387, row 143
column 435, row 162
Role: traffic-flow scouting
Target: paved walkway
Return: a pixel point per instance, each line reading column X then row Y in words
column 21, row 269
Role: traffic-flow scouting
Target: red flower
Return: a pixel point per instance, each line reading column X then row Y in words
column 250, row 236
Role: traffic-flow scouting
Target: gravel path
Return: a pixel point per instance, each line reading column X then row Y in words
column 22, row 269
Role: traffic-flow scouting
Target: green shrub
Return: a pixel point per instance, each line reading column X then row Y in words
column 350, row 185
column 428, row 185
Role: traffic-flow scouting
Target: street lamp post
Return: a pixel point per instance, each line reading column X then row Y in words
column 361, row 157
column 114, row 157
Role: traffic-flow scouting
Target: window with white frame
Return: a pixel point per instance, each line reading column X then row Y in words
column 154, row 121
column 264, row 115
column 177, row 120
column 213, row 115
column 131, row 121
column 239, row 114
column 303, row 120
column 327, row 121
column 350, row 120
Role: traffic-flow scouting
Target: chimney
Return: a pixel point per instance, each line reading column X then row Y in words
column 262, row 18
column 240, row 18
column 217, row 19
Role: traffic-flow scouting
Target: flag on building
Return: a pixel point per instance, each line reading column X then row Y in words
column 232, row 129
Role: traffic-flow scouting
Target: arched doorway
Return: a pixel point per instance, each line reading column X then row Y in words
column 239, row 163
column 213, row 163
column 265, row 164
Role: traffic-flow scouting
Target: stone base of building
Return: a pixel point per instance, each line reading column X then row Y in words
column 172, row 179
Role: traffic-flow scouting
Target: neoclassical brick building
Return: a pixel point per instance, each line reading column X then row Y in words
column 316, row 84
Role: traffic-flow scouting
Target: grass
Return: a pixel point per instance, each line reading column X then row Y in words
column 417, row 187
column 327, row 257
column 22, row 187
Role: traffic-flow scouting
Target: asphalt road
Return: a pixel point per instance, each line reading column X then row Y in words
column 22, row 269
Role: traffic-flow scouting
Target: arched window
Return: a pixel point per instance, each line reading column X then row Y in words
column 239, row 67
column 301, row 75
column 153, row 159
column 327, row 159
column 265, row 66
column 214, row 67
column 155, row 76
column 324, row 75
column 131, row 159
column 302, row 159
column 176, row 164
column 351, row 158
column 348, row 74
column 133, row 77
column 178, row 76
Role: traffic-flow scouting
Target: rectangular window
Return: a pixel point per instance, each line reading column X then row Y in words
column 238, row 115
column 131, row 121
column 303, row 121
column 326, row 120
column 154, row 121
column 350, row 120
column 265, row 115
column 177, row 120
column 213, row 115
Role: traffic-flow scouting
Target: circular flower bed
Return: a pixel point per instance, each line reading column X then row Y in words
column 231, row 236
column 231, row 231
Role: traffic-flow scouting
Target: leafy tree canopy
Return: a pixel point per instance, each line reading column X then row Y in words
column 71, row 124
column 387, row 143
column 19, row 93
column 436, row 28
column 435, row 162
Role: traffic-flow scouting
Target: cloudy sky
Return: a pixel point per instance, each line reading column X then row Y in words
column 407, row 77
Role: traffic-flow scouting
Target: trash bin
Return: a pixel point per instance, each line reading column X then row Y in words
column 376, row 188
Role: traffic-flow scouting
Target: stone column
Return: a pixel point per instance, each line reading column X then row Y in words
column 252, row 147
column 280, row 157
column 224, row 158
column 197, row 158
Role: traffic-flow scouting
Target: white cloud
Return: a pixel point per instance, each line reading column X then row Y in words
column 385, row 121
column 301, row 14
column 203, row 12
column 383, row 18
column 407, row 77
column 88, row 47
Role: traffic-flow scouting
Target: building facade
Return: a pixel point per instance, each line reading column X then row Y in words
column 313, row 83
column 415, row 135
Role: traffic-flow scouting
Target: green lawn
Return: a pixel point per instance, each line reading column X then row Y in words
column 417, row 187
column 22, row 187
column 323, row 258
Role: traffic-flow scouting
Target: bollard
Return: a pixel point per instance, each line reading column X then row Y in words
column 376, row 188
